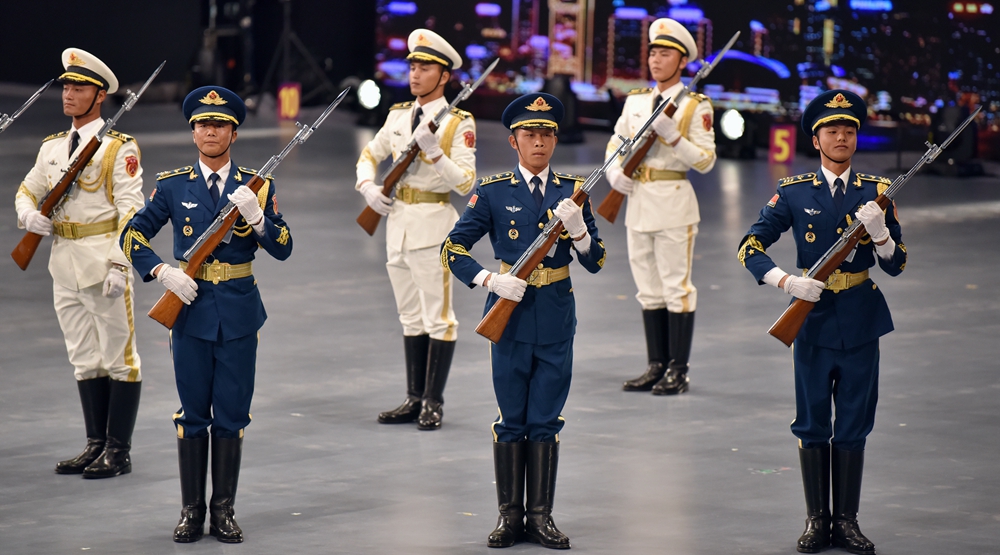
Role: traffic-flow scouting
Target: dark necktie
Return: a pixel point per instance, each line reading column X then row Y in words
column 838, row 195
column 536, row 193
column 657, row 101
column 416, row 118
column 74, row 141
column 213, row 189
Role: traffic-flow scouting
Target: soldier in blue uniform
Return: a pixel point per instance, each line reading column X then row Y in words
column 532, row 363
column 836, row 353
column 214, row 341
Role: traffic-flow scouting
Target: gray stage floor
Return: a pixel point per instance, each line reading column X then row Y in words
column 713, row 471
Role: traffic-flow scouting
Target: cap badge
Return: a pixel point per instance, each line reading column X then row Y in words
column 662, row 28
column 838, row 101
column 539, row 105
column 422, row 40
column 212, row 98
column 75, row 60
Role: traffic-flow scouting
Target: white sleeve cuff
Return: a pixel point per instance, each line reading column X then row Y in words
column 886, row 250
column 480, row 277
column 774, row 275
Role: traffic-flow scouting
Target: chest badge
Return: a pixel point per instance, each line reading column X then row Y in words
column 513, row 209
column 512, row 234
column 810, row 237
column 188, row 231
column 812, row 211
column 189, row 205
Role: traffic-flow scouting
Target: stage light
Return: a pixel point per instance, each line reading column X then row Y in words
column 487, row 10
column 369, row 95
column 958, row 7
column 631, row 13
column 732, row 124
column 686, row 14
column 402, row 8
column 986, row 9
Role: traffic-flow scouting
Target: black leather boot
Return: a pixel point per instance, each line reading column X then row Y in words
column 94, row 398
column 848, row 466
column 508, row 464
column 438, row 366
column 122, row 409
column 542, row 464
column 415, row 349
column 681, row 331
column 815, row 465
column 192, row 456
column 655, row 324
column 226, row 456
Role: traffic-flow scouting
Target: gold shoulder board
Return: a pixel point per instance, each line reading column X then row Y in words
column 120, row 136
column 801, row 178
column 460, row 114
column 496, row 177
column 699, row 97
column 641, row 90
column 250, row 171
column 171, row 173
column 401, row 105
column 55, row 136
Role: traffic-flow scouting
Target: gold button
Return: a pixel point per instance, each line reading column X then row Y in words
column 540, row 266
column 836, row 271
column 187, row 219
column 810, row 226
column 874, row 287
column 541, row 225
column 512, row 222
column 678, row 187
column 839, row 230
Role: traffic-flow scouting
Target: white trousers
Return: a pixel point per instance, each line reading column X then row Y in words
column 661, row 268
column 422, row 287
column 100, row 337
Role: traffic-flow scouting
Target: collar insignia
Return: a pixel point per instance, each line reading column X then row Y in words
column 838, row 101
column 213, row 99
column 539, row 105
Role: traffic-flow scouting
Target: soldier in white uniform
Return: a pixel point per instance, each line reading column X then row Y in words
column 662, row 215
column 91, row 279
column 419, row 219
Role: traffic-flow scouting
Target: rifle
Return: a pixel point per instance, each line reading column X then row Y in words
column 492, row 325
column 787, row 327
column 166, row 310
column 369, row 219
column 25, row 249
column 613, row 202
column 6, row 120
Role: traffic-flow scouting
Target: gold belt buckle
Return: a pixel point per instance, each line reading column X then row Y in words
column 216, row 272
column 837, row 282
column 68, row 230
column 408, row 194
column 539, row 277
column 649, row 174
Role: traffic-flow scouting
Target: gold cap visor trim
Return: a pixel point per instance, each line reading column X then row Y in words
column 73, row 76
column 425, row 57
column 836, row 117
column 670, row 42
column 217, row 116
column 543, row 123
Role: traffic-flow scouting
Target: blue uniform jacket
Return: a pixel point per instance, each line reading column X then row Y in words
column 803, row 203
column 182, row 197
column 503, row 207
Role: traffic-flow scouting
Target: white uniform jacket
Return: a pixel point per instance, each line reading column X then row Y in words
column 422, row 225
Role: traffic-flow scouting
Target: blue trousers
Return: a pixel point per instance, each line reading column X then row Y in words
column 531, row 383
column 215, row 384
column 848, row 378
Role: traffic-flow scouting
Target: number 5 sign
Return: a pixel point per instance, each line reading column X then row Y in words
column 782, row 144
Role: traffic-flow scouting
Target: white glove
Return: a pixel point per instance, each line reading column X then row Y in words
column 572, row 217
column 375, row 199
column 666, row 128
column 427, row 141
column 114, row 284
column 807, row 289
column 874, row 219
column 619, row 181
column 507, row 286
column 36, row 223
column 177, row 281
column 246, row 201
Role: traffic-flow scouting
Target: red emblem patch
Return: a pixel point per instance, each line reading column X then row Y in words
column 131, row 165
column 470, row 139
column 151, row 195
column 773, row 201
column 472, row 201
column 706, row 121
column 274, row 201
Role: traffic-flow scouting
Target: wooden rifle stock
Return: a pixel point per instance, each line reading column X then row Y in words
column 612, row 203
column 369, row 219
column 25, row 249
column 786, row 327
column 495, row 322
column 166, row 310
